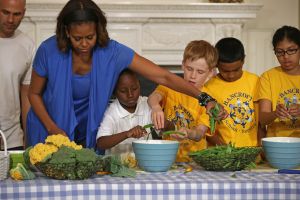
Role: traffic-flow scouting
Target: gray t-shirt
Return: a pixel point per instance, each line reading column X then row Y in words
column 16, row 54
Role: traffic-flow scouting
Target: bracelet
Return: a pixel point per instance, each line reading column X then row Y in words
column 204, row 98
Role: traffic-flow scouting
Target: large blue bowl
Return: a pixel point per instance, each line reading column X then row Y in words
column 282, row 152
column 155, row 155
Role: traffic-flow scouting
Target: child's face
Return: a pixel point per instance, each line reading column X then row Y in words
column 231, row 71
column 128, row 91
column 196, row 72
column 289, row 63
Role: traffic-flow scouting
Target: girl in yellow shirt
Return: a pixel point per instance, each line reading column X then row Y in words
column 279, row 88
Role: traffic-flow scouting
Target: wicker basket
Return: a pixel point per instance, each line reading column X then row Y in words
column 233, row 161
column 4, row 159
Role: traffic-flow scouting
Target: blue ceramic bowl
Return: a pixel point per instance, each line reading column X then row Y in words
column 282, row 152
column 155, row 155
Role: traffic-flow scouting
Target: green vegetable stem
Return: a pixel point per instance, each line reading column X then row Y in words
column 148, row 126
column 214, row 112
column 172, row 132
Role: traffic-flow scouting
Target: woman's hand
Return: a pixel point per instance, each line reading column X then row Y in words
column 282, row 112
column 158, row 117
column 55, row 130
column 136, row 132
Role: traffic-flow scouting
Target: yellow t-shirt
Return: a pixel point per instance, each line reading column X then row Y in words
column 240, row 127
column 183, row 111
column 281, row 88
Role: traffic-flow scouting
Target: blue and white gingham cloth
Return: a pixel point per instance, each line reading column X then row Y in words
column 173, row 185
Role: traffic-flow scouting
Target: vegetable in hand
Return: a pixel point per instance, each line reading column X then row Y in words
column 172, row 132
column 214, row 112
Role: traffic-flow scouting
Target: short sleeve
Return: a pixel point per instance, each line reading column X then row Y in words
column 163, row 91
column 107, row 127
column 255, row 90
column 123, row 54
column 206, row 89
column 204, row 118
column 30, row 55
column 40, row 61
column 264, row 88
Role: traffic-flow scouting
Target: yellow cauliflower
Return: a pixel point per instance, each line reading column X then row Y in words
column 74, row 145
column 129, row 160
column 52, row 144
column 16, row 175
column 40, row 151
column 59, row 140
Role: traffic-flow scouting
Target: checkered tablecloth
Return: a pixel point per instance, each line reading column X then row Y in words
column 169, row 185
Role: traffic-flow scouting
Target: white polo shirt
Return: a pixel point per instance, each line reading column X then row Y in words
column 117, row 119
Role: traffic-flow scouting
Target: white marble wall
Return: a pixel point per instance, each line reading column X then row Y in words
column 257, row 33
column 159, row 30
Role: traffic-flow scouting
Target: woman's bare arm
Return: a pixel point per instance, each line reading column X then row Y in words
column 35, row 97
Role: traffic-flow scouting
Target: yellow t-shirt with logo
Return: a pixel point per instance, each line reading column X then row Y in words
column 183, row 111
column 240, row 127
column 281, row 88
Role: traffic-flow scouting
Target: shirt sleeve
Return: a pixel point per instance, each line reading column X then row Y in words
column 123, row 55
column 204, row 118
column 107, row 126
column 163, row 91
column 40, row 61
column 264, row 88
column 27, row 77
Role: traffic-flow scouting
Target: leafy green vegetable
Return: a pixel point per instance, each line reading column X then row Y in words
column 124, row 172
column 113, row 164
column 226, row 157
column 26, row 156
column 68, row 163
column 21, row 173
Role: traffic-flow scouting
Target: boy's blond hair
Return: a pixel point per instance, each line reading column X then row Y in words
column 197, row 49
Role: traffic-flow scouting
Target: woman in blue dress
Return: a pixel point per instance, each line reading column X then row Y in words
column 74, row 74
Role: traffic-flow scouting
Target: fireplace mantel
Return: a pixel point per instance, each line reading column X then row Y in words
column 154, row 10
column 158, row 30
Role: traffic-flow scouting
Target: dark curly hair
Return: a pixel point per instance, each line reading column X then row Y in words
column 286, row 32
column 76, row 12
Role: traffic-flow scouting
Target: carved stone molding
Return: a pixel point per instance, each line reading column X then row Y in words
column 156, row 29
column 146, row 11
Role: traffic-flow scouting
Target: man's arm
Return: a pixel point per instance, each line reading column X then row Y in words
column 25, row 105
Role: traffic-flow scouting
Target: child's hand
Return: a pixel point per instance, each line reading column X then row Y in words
column 158, row 117
column 136, row 132
column 196, row 133
column 182, row 136
column 282, row 112
column 294, row 110
column 223, row 114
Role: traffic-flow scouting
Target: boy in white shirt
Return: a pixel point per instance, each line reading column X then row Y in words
column 125, row 117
